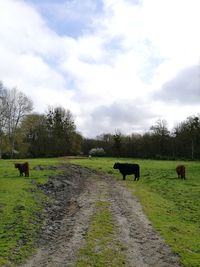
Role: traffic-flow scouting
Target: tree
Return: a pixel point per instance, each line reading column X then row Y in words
column 33, row 129
column 106, row 142
column 117, row 142
column 77, row 144
column 193, row 126
column 3, row 112
column 187, row 136
column 18, row 105
column 61, row 131
column 160, row 133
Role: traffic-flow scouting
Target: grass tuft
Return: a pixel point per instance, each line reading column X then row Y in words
column 102, row 247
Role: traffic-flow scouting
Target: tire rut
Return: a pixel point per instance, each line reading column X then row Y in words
column 59, row 245
column 144, row 246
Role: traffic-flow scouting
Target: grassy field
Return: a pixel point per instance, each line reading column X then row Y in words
column 20, row 209
column 172, row 204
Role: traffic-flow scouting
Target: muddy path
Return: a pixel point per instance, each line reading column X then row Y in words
column 74, row 195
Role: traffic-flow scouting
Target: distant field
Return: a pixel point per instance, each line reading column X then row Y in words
column 172, row 204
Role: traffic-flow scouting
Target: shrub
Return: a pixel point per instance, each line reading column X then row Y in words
column 97, row 152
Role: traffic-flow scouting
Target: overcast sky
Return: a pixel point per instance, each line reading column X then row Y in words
column 115, row 64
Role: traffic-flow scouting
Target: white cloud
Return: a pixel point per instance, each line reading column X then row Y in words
column 184, row 88
column 30, row 54
column 125, row 115
column 121, row 55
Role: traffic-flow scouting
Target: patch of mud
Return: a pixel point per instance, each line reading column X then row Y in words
column 73, row 196
column 72, row 199
column 63, row 191
column 46, row 167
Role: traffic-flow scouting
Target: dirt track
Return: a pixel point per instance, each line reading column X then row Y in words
column 75, row 194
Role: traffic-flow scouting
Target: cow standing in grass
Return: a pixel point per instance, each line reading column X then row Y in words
column 128, row 168
column 180, row 170
column 23, row 168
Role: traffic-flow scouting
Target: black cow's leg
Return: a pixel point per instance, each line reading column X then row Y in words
column 124, row 176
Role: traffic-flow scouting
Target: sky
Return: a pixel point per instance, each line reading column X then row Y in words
column 117, row 65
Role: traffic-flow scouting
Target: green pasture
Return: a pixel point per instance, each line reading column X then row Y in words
column 20, row 209
column 172, row 204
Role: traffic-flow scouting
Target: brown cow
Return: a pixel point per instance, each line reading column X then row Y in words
column 180, row 170
column 23, row 168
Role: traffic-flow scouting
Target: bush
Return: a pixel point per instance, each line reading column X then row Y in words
column 97, row 152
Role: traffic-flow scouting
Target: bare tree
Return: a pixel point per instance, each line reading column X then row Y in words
column 18, row 105
column 161, row 136
column 3, row 112
column 117, row 142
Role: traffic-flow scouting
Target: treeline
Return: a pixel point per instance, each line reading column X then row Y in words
column 183, row 142
column 27, row 134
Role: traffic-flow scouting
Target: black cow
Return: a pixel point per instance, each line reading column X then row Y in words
column 128, row 168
